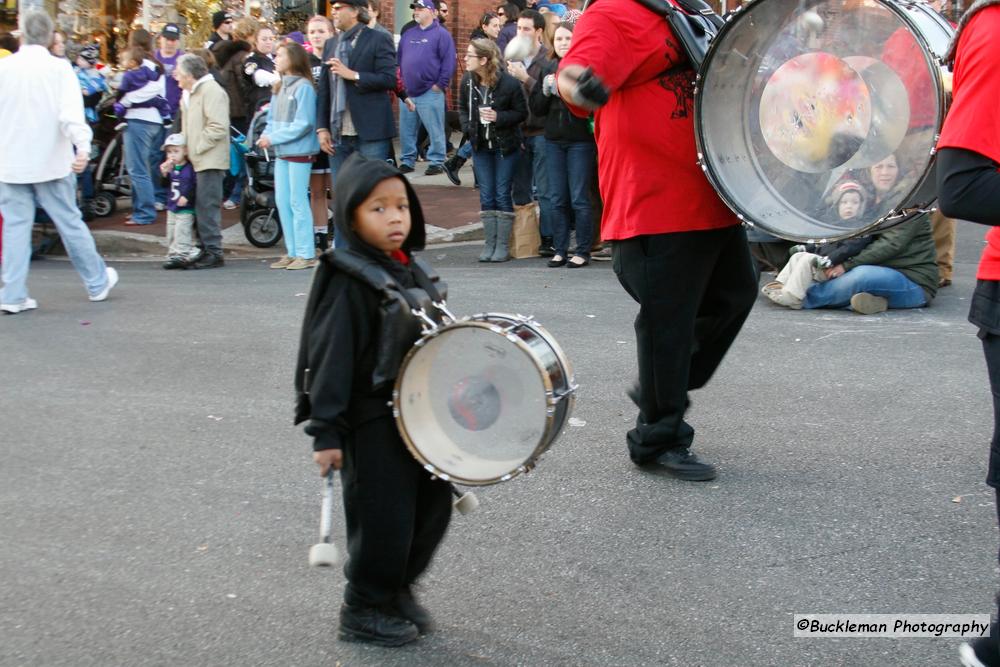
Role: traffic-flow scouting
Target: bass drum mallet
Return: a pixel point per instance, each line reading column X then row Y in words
column 325, row 554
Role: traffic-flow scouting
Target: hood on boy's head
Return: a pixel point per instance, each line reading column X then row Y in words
column 356, row 179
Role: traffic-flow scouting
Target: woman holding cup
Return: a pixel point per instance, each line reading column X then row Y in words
column 492, row 109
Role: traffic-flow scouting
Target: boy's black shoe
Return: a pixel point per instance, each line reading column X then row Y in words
column 434, row 170
column 367, row 625
column 413, row 611
column 451, row 167
column 980, row 652
column 208, row 261
column 405, row 168
column 175, row 263
column 682, row 463
column 546, row 249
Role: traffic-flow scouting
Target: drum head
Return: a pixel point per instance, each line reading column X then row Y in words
column 817, row 120
column 472, row 403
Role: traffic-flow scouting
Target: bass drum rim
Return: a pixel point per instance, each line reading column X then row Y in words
column 908, row 209
column 489, row 322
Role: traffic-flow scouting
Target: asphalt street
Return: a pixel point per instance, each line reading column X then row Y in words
column 157, row 505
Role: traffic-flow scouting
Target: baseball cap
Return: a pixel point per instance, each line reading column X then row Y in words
column 171, row 31
column 174, row 140
column 218, row 18
column 351, row 3
column 424, row 4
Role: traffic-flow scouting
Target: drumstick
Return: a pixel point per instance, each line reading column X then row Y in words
column 465, row 503
column 325, row 552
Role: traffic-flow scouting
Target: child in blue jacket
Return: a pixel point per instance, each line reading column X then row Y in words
column 291, row 131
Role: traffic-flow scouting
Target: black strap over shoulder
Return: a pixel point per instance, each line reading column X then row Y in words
column 695, row 24
column 373, row 275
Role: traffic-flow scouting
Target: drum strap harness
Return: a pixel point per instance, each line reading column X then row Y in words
column 405, row 313
column 695, row 24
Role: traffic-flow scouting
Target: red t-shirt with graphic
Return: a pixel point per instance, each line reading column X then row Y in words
column 973, row 122
column 649, row 177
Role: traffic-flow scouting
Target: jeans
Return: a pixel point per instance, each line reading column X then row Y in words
column 140, row 148
column 465, row 150
column 379, row 149
column 291, row 196
column 207, row 209
column 430, row 111
column 900, row 291
column 570, row 165
column 695, row 290
column 161, row 189
column 58, row 199
column 495, row 172
column 348, row 145
column 531, row 181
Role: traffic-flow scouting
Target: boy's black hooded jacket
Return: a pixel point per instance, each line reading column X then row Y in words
column 340, row 336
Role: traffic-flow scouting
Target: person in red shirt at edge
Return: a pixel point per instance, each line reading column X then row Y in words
column 677, row 249
column 968, row 175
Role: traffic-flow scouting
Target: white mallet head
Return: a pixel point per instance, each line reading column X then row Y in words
column 518, row 48
column 323, row 554
column 467, row 503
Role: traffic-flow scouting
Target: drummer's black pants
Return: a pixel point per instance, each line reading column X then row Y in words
column 396, row 514
column 695, row 290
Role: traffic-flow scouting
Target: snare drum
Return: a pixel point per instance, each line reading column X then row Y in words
column 797, row 97
column 479, row 400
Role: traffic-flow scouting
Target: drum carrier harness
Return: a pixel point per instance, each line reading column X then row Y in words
column 405, row 314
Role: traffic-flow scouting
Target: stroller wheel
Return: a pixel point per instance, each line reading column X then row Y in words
column 262, row 228
column 104, row 204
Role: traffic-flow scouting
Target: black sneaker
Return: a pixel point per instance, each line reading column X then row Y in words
column 175, row 263
column 367, row 625
column 406, row 168
column 408, row 607
column 434, row 170
column 682, row 463
column 980, row 652
column 208, row 261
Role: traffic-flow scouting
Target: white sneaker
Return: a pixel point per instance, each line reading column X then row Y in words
column 160, row 207
column 15, row 308
column 229, row 205
column 112, row 281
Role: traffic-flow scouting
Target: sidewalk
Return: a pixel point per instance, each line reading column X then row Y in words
column 451, row 212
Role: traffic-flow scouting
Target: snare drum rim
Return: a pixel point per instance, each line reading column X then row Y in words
column 528, row 463
column 708, row 168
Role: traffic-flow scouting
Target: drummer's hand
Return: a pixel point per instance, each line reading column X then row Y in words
column 835, row 271
column 327, row 458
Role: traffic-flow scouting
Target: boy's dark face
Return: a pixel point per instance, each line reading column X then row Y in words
column 383, row 219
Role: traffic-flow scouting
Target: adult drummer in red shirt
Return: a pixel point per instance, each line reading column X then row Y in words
column 968, row 173
column 677, row 249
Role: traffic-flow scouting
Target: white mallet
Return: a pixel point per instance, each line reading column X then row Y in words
column 465, row 503
column 325, row 553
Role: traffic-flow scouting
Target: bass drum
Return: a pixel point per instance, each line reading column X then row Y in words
column 479, row 400
column 799, row 103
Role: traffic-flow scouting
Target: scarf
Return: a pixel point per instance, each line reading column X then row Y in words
column 345, row 44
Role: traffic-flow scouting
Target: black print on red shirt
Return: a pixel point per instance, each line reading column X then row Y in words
column 680, row 82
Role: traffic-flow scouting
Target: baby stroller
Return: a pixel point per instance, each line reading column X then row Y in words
column 108, row 160
column 258, row 213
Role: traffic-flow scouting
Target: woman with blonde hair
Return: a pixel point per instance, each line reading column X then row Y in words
column 492, row 108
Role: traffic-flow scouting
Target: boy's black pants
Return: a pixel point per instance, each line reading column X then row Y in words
column 695, row 290
column 396, row 514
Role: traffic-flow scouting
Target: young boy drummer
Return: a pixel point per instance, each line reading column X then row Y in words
column 351, row 348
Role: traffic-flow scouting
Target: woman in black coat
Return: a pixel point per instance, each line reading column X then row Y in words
column 492, row 107
column 570, row 158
